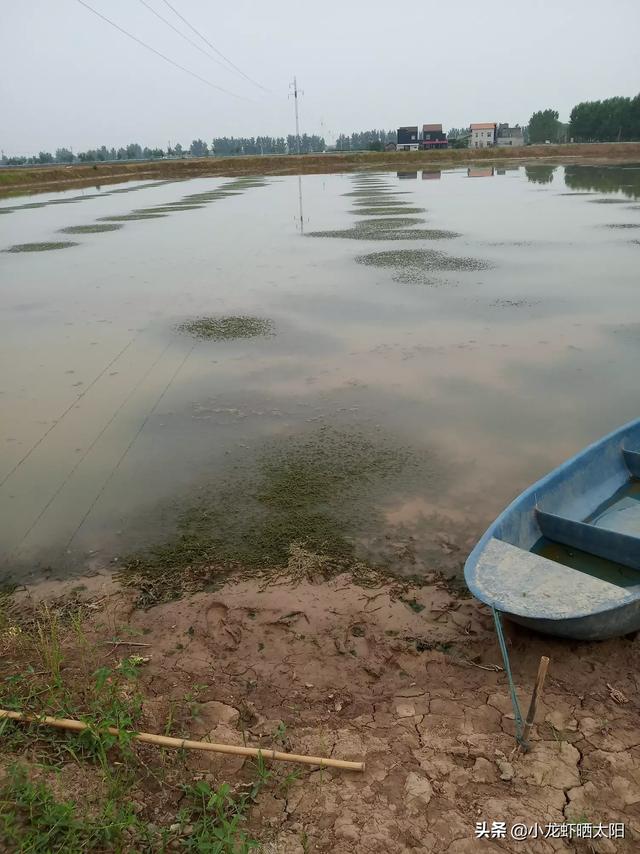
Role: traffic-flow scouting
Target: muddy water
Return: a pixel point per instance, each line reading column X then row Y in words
column 476, row 354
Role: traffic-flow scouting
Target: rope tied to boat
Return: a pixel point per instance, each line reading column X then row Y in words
column 512, row 688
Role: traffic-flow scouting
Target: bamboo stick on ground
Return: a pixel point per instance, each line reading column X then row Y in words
column 537, row 692
column 187, row 744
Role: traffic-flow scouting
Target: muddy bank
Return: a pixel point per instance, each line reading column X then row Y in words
column 405, row 677
column 14, row 181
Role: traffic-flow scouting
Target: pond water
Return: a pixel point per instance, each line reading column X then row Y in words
column 394, row 357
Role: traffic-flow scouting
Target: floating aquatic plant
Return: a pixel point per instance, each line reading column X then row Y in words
column 387, row 210
column 389, row 233
column 40, row 247
column 96, row 228
column 607, row 201
column 419, row 260
column 131, row 217
column 168, row 208
column 227, row 328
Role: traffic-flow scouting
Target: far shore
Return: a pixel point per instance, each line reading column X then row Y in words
column 21, row 180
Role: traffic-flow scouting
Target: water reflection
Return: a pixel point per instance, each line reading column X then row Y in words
column 605, row 179
column 485, row 172
column 110, row 423
column 540, row 174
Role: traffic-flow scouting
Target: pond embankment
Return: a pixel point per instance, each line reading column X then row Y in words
column 14, row 181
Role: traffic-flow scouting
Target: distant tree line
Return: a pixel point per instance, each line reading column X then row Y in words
column 611, row 120
column 198, row 148
column 367, row 140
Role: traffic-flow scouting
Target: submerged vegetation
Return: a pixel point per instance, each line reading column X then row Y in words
column 132, row 217
column 367, row 233
column 316, row 491
column 227, row 328
column 412, row 264
column 388, row 210
column 40, row 247
column 96, row 228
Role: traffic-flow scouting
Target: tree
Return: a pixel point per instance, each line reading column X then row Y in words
column 45, row 157
column 64, row 155
column 134, row 151
column 611, row 120
column 543, row 126
column 199, row 148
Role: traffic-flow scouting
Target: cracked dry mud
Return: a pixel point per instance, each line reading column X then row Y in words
column 402, row 677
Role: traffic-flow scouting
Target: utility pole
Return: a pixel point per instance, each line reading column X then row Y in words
column 295, row 101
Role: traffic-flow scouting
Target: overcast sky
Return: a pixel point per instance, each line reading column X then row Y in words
column 70, row 79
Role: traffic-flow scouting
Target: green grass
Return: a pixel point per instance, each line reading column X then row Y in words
column 33, row 820
column 75, row 793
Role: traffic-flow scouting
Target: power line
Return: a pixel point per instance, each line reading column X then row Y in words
column 182, row 35
column 157, row 52
column 213, row 47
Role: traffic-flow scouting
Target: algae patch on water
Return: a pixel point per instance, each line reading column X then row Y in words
column 227, row 328
column 358, row 233
column 410, row 262
column 132, row 217
column 316, row 491
column 623, row 225
column 388, row 210
column 40, row 247
column 96, row 228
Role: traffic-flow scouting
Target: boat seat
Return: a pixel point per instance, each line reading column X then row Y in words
column 612, row 545
column 632, row 461
column 530, row 585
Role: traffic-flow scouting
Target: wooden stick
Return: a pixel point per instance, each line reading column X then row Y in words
column 169, row 741
column 537, row 692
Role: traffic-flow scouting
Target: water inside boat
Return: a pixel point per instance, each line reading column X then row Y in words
column 596, row 567
column 620, row 513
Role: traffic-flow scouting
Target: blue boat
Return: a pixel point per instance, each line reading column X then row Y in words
column 564, row 557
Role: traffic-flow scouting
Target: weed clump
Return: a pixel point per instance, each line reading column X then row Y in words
column 393, row 233
column 418, row 261
column 388, row 209
column 40, row 247
column 131, row 217
column 227, row 328
column 97, row 228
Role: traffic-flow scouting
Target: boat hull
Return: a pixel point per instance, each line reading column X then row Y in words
column 595, row 627
column 507, row 569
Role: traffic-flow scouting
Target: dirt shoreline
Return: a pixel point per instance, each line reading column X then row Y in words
column 400, row 675
column 17, row 181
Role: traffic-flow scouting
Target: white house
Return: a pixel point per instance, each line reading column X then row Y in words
column 483, row 135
